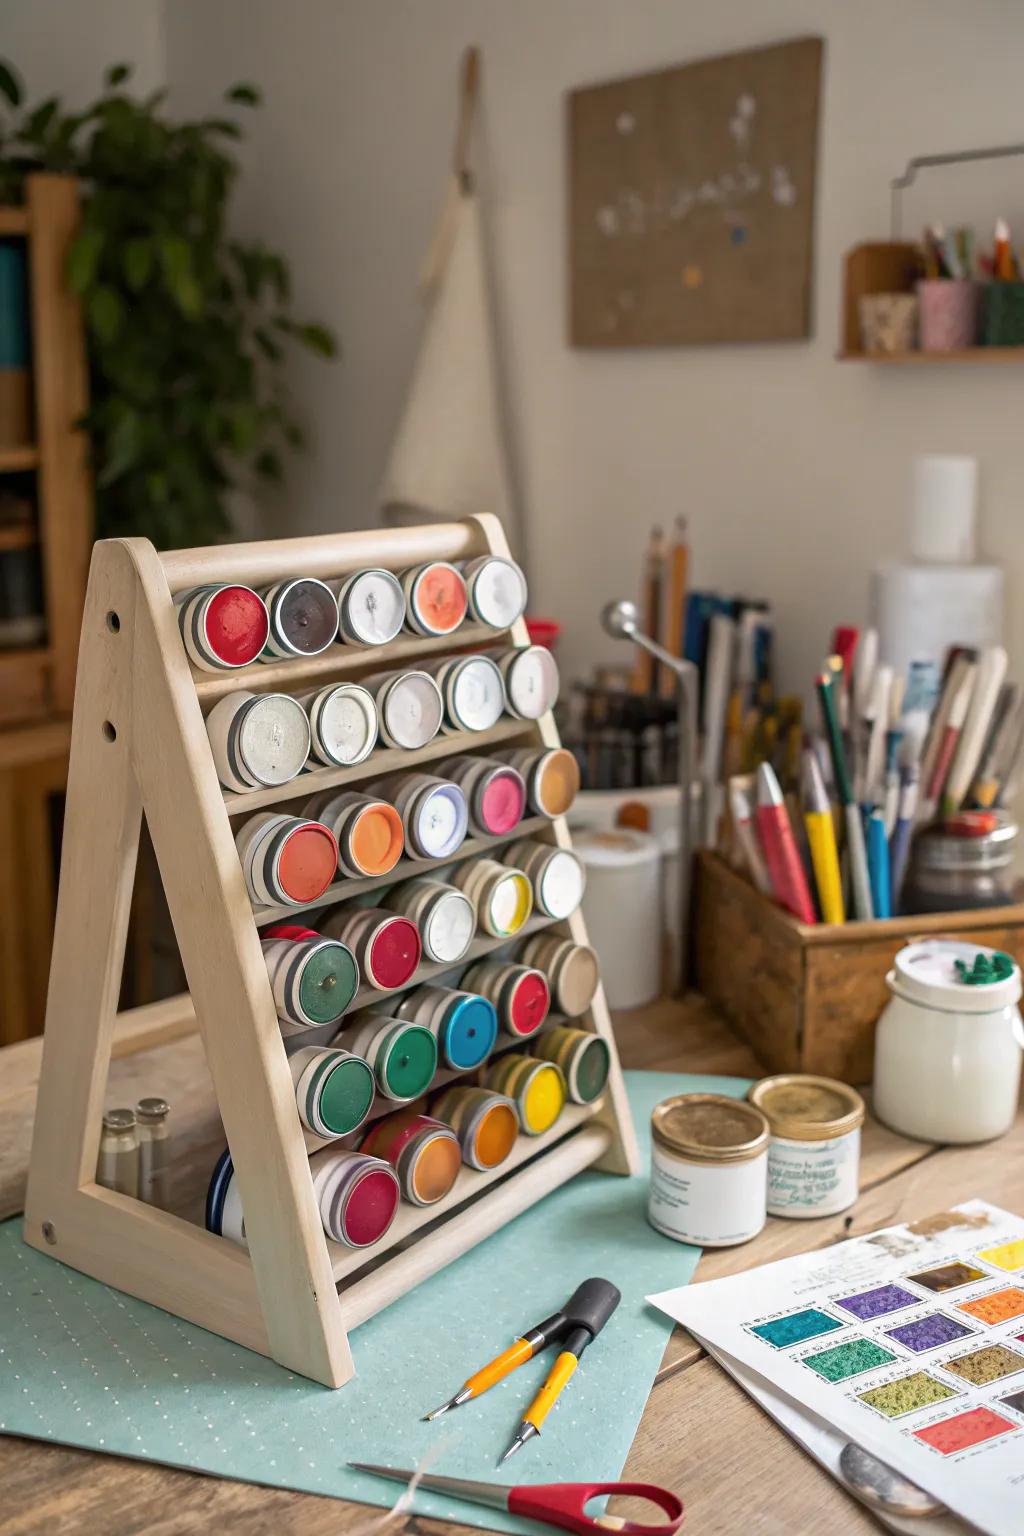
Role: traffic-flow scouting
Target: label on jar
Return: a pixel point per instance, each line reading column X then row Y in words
column 712, row 1205
column 813, row 1178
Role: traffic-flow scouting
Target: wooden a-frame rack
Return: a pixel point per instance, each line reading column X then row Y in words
column 139, row 745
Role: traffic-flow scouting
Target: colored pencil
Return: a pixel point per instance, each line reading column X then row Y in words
column 983, row 699
column 821, row 839
column 878, row 865
column 899, row 849
column 742, row 811
column 785, row 868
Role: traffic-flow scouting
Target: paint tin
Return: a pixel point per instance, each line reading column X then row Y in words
column 222, row 627
column 342, row 723
column 571, row 969
column 371, row 608
column 303, row 618
column 313, row 978
column 496, row 590
column 584, row 1058
column 425, row 1154
column 814, row 1151
column 434, row 813
column 552, row 778
column 409, row 708
column 386, row 946
column 334, row 1090
column 286, row 860
column 495, row 793
column 537, row 1088
column 358, row 1195
column 530, row 675
column 403, row 1055
column 472, row 690
column 709, row 1169
column 464, row 1024
column 435, row 598
column 519, row 994
column 503, row 897
column 556, row 874
column 487, row 1124
column 257, row 739
column 445, row 917
column 368, row 830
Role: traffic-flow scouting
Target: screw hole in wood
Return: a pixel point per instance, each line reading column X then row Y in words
column 109, row 732
column 113, row 622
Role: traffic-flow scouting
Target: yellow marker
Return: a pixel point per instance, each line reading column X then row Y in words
column 821, row 839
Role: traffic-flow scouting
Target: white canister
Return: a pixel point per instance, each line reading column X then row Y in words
column 530, row 675
column 257, row 739
column 371, row 608
column 557, row 876
column 814, row 1152
column 496, row 590
column 622, row 908
column 709, row 1169
column 473, row 692
column 948, row 1050
column 342, row 723
column 409, row 708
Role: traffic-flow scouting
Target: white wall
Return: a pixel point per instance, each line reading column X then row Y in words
column 63, row 47
column 792, row 467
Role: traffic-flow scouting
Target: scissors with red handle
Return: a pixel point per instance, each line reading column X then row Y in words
column 559, row 1504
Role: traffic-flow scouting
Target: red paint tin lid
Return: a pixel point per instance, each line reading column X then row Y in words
column 308, row 862
column 236, row 625
column 395, row 952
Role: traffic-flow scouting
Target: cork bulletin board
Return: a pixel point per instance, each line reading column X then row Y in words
column 691, row 201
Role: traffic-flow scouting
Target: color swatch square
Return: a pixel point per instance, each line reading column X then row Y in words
column 964, row 1430
column 797, row 1327
column 929, row 1332
column 984, row 1365
column 907, row 1395
column 849, row 1359
column 947, row 1277
column 1006, row 1256
column 1014, row 1401
column 996, row 1307
column 876, row 1303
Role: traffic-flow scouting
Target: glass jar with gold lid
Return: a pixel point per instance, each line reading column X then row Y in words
column 709, row 1169
column 814, row 1155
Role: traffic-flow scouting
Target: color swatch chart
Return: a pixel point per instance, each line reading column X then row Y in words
column 909, row 1341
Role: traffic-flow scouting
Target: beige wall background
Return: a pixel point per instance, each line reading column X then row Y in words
column 793, row 469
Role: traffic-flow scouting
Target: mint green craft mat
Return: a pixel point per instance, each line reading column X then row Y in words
column 86, row 1365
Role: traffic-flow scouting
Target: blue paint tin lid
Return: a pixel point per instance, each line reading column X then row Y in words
column 468, row 1031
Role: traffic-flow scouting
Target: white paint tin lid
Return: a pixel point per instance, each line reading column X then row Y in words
column 926, row 973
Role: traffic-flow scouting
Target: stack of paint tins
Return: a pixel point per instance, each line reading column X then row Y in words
column 486, row 1123
column 551, row 775
column 495, row 793
column 286, row 860
column 303, row 615
column 223, row 626
column 571, row 970
column 556, row 876
column 472, row 690
column 386, row 945
column 424, row 1152
column 434, row 813
column 537, row 1088
column 530, row 677
column 464, row 1024
column 357, row 1196
column 444, row 915
column 503, row 897
column 368, row 830
column 519, row 994
column 402, row 1054
column 258, row 739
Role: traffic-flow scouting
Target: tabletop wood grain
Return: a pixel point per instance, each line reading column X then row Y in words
column 699, row 1433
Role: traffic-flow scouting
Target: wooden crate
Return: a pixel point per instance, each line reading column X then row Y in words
column 807, row 997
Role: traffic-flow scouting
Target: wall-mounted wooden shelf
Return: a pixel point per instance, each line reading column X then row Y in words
column 966, row 355
column 14, row 460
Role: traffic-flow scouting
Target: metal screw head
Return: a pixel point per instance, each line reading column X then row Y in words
column 620, row 619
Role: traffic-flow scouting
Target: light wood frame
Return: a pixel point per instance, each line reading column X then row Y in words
column 139, row 744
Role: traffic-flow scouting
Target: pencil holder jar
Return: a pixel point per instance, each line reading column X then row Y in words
column 1004, row 315
column 948, row 314
column 888, row 322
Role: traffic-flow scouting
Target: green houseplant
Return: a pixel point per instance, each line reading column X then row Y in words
column 186, row 325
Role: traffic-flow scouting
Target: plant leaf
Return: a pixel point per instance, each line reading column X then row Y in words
column 105, row 313
column 117, row 74
column 39, row 120
column 10, row 84
column 244, row 94
column 318, row 339
column 123, row 448
column 137, row 262
column 268, row 465
column 83, row 259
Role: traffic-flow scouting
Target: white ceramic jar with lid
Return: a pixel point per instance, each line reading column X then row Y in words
column 948, row 1043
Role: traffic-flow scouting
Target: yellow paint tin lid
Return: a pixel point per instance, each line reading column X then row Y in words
column 804, row 1108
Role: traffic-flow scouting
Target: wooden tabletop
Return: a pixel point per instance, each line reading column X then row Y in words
column 699, row 1433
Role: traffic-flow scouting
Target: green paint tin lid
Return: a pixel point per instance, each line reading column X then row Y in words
column 407, row 1062
column 329, row 980
column 346, row 1091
